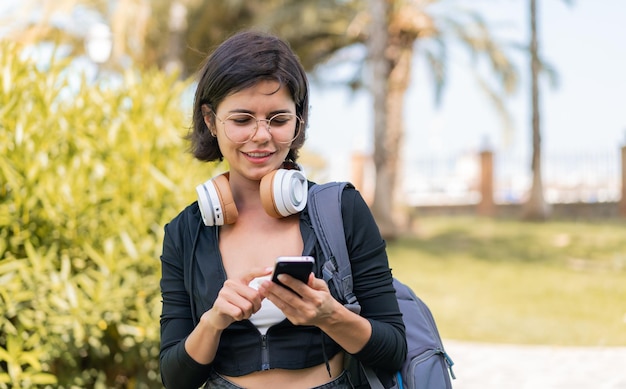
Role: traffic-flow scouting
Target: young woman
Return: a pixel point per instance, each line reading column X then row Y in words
column 224, row 322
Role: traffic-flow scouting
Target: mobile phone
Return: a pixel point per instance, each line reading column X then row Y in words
column 297, row 267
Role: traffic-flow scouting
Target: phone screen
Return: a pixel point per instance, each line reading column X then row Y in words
column 297, row 267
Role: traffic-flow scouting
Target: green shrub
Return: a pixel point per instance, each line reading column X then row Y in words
column 89, row 174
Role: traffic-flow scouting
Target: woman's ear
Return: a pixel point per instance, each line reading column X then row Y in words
column 209, row 120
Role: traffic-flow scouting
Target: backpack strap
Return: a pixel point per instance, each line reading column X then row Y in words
column 324, row 206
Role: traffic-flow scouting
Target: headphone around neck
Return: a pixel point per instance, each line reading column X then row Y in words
column 283, row 193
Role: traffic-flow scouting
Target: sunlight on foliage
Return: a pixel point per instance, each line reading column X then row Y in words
column 89, row 174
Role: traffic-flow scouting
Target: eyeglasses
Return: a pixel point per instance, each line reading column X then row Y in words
column 241, row 127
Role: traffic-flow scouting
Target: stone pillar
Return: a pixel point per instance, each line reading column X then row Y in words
column 486, row 206
column 358, row 169
column 361, row 175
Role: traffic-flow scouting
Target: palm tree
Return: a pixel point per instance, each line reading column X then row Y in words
column 536, row 208
column 408, row 24
column 315, row 29
column 379, row 87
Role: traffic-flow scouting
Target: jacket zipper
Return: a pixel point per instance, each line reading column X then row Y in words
column 265, row 353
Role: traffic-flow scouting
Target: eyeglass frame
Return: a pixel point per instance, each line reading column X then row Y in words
column 268, row 127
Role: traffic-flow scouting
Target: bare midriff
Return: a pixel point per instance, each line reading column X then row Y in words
column 309, row 377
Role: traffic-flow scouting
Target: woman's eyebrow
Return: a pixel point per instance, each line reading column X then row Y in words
column 269, row 114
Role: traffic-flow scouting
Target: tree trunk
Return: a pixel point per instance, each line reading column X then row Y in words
column 401, row 48
column 536, row 207
column 177, row 25
column 391, row 54
column 380, row 66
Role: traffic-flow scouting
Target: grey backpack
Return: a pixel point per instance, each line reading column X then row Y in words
column 427, row 365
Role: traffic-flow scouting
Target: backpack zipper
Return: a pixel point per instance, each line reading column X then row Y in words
column 449, row 362
column 423, row 357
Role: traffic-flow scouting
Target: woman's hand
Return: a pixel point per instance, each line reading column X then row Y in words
column 312, row 304
column 236, row 301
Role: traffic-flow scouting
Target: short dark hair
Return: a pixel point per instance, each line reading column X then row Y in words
column 240, row 62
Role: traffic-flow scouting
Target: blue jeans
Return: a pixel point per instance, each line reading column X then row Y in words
column 216, row 381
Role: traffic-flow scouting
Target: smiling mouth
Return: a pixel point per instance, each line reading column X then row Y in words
column 258, row 155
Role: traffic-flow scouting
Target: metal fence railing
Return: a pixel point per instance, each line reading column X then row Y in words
column 567, row 178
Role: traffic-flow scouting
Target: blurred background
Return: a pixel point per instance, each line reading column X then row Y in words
column 486, row 135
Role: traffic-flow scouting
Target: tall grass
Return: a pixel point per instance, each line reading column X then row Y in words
column 556, row 283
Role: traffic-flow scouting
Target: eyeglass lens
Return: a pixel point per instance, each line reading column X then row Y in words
column 241, row 127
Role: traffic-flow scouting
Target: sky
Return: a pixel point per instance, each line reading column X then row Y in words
column 585, row 42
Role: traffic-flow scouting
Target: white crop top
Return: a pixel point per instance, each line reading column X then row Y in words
column 269, row 314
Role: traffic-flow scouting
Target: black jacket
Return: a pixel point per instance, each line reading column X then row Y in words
column 192, row 266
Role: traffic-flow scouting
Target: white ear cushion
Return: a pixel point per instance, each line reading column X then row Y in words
column 216, row 205
column 209, row 204
column 290, row 191
column 204, row 204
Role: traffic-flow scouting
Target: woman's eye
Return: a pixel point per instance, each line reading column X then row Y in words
column 280, row 120
column 241, row 120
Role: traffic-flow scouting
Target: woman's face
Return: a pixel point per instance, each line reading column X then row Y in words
column 262, row 153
